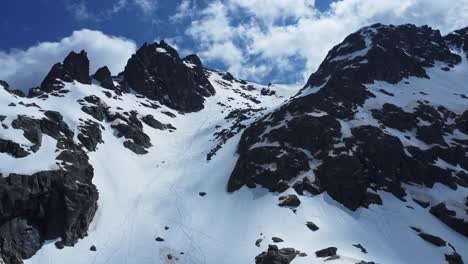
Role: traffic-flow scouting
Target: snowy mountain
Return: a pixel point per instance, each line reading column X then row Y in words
column 170, row 162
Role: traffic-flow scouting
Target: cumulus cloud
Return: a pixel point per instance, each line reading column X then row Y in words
column 288, row 37
column 81, row 12
column 147, row 6
column 24, row 69
column 186, row 9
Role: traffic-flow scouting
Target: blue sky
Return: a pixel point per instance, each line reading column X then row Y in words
column 27, row 22
column 280, row 41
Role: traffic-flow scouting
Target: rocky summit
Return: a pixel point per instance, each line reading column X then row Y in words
column 171, row 162
column 157, row 71
column 368, row 120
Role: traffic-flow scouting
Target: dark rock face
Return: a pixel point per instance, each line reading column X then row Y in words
column 393, row 116
column 352, row 162
column 326, row 252
column 103, row 75
column 449, row 217
column 458, row 39
column 12, row 148
column 90, row 135
column 75, row 67
column 276, row 256
column 48, row 204
column 126, row 124
column 132, row 129
column 157, row 72
column 283, row 168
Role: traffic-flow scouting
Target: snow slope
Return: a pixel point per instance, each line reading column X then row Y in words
column 140, row 195
column 177, row 192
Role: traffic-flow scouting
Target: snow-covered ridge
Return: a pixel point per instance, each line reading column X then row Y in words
column 161, row 160
column 167, row 174
column 386, row 109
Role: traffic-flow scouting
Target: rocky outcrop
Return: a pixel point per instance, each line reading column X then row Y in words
column 276, row 256
column 12, row 148
column 75, row 67
column 152, row 122
column 458, row 39
column 126, row 124
column 450, row 218
column 326, row 252
column 354, row 159
column 103, row 75
column 157, row 72
column 55, row 204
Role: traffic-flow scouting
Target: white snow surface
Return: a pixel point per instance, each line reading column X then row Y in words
column 141, row 194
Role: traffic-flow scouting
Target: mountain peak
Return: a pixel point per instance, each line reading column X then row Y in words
column 157, row 72
column 75, row 67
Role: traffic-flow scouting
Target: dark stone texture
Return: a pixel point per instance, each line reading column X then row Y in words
column 394, row 117
column 103, row 75
column 12, row 148
column 276, row 256
column 253, row 168
column 157, row 72
column 449, row 218
column 277, row 240
column 48, row 204
column 354, row 163
column 326, row 252
column 435, row 240
column 75, row 67
column 312, row 226
column 289, row 201
column 454, row 258
column 363, row 250
column 152, row 122
column 90, row 134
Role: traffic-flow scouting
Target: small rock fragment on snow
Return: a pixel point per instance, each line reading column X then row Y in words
column 277, row 239
column 363, row 250
column 312, row 226
column 258, row 242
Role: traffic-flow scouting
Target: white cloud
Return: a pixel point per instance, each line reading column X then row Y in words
column 147, row 6
column 186, row 9
column 81, row 12
column 24, row 69
column 271, row 34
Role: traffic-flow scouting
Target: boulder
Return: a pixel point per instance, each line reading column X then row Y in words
column 326, row 252
column 276, row 256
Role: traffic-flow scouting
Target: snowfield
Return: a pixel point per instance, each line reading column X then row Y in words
column 143, row 197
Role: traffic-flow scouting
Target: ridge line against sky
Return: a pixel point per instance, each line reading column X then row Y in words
column 281, row 41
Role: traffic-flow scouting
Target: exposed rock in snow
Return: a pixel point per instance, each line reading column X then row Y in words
column 163, row 76
column 326, row 252
column 103, row 75
column 351, row 138
column 276, row 256
column 75, row 67
column 380, row 128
